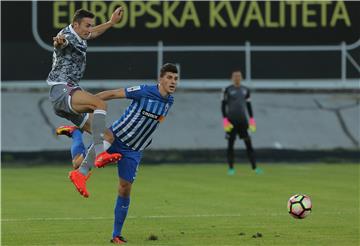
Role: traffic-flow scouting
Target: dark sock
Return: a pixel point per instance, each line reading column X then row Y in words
column 250, row 152
column 230, row 153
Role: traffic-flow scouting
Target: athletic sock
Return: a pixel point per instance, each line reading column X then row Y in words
column 88, row 162
column 77, row 146
column 250, row 152
column 230, row 153
column 231, row 165
column 121, row 210
column 98, row 130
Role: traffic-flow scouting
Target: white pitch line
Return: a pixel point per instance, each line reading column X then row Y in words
column 159, row 217
column 136, row 217
column 54, row 218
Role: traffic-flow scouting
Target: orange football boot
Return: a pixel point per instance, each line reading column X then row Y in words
column 79, row 180
column 118, row 240
column 66, row 130
column 105, row 158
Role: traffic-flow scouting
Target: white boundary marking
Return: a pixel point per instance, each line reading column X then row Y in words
column 136, row 217
column 158, row 217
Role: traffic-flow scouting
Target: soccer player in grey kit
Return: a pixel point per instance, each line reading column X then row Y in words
column 235, row 101
column 69, row 100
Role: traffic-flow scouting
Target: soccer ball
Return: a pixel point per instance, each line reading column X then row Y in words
column 299, row 206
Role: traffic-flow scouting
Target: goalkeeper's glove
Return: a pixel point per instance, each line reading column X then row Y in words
column 252, row 125
column 227, row 125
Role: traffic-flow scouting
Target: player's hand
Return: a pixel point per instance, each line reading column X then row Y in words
column 59, row 40
column 252, row 125
column 117, row 15
column 227, row 125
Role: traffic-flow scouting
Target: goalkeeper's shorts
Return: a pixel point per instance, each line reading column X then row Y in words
column 240, row 129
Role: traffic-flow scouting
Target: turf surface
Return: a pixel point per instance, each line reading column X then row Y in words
column 184, row 205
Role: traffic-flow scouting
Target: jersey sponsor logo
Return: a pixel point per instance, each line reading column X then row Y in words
column 152, row 115
column 134, row 88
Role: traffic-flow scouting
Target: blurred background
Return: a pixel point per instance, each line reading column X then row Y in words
column 301, row 61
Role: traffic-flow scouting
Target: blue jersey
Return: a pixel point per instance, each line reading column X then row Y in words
column 148, row 108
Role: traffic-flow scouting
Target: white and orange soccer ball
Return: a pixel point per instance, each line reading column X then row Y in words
column 299, row 206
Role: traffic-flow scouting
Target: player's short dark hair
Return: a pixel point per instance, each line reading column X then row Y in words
column 237, row 70
column 168, row 67
column 82, row 13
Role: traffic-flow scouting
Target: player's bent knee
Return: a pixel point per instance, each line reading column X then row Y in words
column 124, row 188
column 87, row 127
column 124, row 192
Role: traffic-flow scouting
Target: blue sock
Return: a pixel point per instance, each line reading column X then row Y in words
column 121, row 209
column 77, row 146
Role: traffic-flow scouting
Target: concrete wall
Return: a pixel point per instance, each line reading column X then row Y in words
column 304, row 121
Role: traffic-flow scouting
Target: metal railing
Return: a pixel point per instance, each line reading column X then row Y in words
column 248, row 49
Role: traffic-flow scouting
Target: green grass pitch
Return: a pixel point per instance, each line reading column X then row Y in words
column 183, row 205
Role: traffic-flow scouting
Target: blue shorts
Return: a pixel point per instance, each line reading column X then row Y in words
column 129, row 163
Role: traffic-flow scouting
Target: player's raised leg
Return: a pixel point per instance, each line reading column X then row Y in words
column 77, row 147
column 79, row 177
column 78, row 150
column 83, row 101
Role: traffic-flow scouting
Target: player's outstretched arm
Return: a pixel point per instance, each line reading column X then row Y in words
column 100, row 29
column 112, row 94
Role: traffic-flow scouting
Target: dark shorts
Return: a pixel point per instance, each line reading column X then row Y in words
column 60, row 98
column 240, row 129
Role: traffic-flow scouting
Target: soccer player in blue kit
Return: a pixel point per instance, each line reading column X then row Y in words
column 132, row 133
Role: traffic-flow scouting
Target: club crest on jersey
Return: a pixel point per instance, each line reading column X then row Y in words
column 153, row 116
column 134, row 88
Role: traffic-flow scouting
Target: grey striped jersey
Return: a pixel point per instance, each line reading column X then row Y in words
column 69, row 63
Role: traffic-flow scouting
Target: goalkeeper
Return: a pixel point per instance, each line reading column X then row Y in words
column 235, row 99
